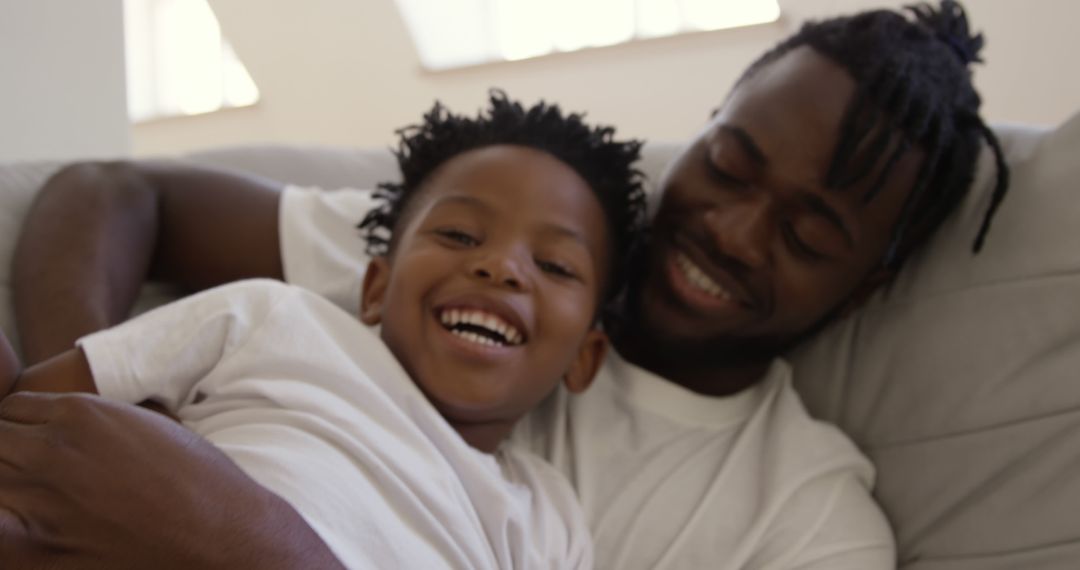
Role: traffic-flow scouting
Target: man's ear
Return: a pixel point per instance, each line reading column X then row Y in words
column 590, row 356
column 376, row 283
column 862, row 293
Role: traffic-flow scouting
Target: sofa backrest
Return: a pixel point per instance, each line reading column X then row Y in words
column 962, row 380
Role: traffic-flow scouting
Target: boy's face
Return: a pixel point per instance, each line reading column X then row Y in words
column 489, row 295
column 750, row 250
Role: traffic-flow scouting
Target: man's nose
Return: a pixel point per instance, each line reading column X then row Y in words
column 743, row 230
column 501, row 267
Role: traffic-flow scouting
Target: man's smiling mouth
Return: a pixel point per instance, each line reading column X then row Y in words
column 714, row 288
column 481, row 327
column 698, row 279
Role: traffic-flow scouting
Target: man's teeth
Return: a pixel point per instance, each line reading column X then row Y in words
column 698, row 279
column 482, row 319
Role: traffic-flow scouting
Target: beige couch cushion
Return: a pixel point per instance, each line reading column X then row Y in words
column 962, row 381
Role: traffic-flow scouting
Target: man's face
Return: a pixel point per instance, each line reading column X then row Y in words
column 750, row 250
column 489, row 296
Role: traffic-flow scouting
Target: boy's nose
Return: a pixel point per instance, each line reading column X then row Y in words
column 500, row 269
column 508, row 280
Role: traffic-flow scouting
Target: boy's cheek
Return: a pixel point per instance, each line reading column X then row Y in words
column 568, row 316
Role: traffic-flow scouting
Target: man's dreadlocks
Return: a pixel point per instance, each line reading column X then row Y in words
column 606, row 165
column 912, row 76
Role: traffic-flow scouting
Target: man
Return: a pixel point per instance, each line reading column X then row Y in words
column 836, row 154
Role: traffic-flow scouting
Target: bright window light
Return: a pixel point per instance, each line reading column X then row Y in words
column 178, row 63
column 456, row 33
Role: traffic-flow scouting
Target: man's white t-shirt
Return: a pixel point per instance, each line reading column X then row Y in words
column 311, row 404
column 667, row 478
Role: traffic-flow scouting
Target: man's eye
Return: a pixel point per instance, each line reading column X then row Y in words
column 723, row 177
column 554, row 268
column 799, row 246
column 458, row 236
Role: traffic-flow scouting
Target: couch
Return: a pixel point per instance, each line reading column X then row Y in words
column 961, row 380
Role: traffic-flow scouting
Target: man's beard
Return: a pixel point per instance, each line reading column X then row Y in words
column 627, row 325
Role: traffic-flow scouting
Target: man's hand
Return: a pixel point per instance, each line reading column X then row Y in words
column 87, row 483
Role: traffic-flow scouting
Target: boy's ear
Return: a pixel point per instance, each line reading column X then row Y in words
column 590, row 356
column 376, row 283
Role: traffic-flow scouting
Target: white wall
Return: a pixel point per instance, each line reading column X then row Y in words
column 62, row 79
column 345, row 72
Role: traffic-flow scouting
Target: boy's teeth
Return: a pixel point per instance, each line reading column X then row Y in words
column 477, row 318
column 473, row 337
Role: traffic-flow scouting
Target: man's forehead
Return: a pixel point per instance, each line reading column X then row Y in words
column 792, row 107
column 801, row 75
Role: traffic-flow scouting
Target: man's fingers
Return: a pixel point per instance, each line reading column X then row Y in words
column 15, row 538
column 13, row 527
column 19, row 548
column 31, row 435
column 46, row 407
column 19, row 443
column 28, row 407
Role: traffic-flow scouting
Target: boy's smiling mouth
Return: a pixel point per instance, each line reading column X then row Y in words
column 480, row 326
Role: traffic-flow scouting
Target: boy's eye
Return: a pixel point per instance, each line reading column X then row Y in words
column 554, row 268
column 457, row 236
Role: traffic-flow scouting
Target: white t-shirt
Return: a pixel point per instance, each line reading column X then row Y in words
column 668, row 478
column 310, row 403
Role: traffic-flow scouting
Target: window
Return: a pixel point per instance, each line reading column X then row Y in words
column 454, row 33
column 178, row 63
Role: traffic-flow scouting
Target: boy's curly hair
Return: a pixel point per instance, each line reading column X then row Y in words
column 606, row 165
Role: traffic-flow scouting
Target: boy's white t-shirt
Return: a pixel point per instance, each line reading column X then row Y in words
column 311, row 404
column 667, row 478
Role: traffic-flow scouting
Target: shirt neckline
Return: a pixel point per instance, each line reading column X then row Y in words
column 658, row 395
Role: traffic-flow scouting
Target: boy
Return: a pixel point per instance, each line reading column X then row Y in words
column 497, row 251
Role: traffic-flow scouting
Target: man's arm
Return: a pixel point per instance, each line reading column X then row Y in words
column 68, row 371
column 94, row 234
column 86, row 483
column 113, row 490
column 97, row 231
column 10, row 368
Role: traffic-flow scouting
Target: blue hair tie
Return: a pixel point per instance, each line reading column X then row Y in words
column 962, row 48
